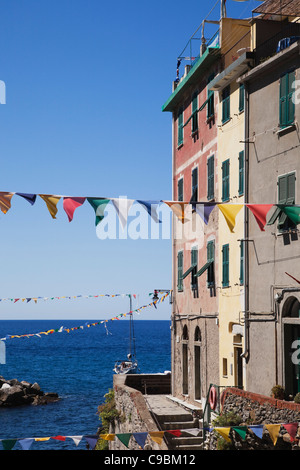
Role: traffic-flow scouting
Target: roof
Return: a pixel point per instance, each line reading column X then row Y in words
column 279, row 7
column 200, row 67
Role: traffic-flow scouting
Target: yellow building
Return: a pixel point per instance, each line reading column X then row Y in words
column 230, row 177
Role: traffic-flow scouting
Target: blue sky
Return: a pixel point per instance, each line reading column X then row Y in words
column 85, row 83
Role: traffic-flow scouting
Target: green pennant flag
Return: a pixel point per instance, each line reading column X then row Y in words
column 124, row 438
column 8, row 443
column 99, row 206
column 293, row 212
column 241, row 430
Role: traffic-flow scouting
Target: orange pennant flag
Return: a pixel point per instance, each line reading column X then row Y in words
column 178, row 209
column 273, row 430
column 5, row 201
column 157, row 436
column 51, row 202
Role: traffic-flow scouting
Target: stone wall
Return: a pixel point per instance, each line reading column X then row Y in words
column 258, row 409
column 134, row 417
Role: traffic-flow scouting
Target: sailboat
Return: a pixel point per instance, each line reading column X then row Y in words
column 129, row 365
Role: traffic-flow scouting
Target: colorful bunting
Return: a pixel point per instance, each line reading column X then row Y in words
column 88, row 325
column 31, row 198
column 203, row 210
column 124, row 438
column 140, row 438
column 151, row 208
column 224, row 432
column 70, row 204
column 291, row 429
column 293, row 212
column 241, row 430
column 36, row 299
column 51, row 202
column 26, row 443
column 273, row 430
column 260, row 213
column 99, row 206
column 230, row 212
column 178, row 209
column 122, row 206
column 157, row 436
column 5, row 201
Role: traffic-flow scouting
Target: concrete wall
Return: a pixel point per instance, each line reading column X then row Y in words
column 271, row 253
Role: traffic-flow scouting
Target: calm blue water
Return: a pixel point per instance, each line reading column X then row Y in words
column 76, row 365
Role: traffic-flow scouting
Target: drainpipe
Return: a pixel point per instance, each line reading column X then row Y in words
column 245, row 354
column 173, row 324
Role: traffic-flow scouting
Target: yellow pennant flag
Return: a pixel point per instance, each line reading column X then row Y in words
column 108, row 437
column 5, row 201
column 230, row 212
column 157, row 436
column 40, row 439
column 178, row 209
column 273, row 430
column 51, row 202
column 224, row 432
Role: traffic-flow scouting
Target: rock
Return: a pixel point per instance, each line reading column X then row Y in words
column 15, row 393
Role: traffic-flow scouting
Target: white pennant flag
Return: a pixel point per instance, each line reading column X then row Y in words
column 76, row 439
column 193, row 431
column 122, row 206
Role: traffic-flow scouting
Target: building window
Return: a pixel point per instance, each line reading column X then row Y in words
column 210, row 260
column 180, row 189
column 225, row 181
column 242, row 263
column 210, row 100
column 194, row 263
column 286, row 104
column 241, row 97
column 224, row 368
column 241, row 173
column 226, row 104
column 179, row 271
column 210, row 178
column 180, row 127
column 195, row 112
column 286, row 196
column 225, row 266
column 194, row 185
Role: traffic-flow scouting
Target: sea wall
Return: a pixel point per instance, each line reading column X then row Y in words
column 255, row 409
column 134, row 417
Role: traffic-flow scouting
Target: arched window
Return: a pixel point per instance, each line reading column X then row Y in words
column 197, row 335
column 185, row 333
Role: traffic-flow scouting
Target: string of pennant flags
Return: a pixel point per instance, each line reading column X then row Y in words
column 88, row 325
column 69, row 297
column 157, row 436
column 123, row 205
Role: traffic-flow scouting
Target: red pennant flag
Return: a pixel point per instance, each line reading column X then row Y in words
column 176, row 432
column 291, row 429
column 70, row 204
column 260, row 213
column 59, row 438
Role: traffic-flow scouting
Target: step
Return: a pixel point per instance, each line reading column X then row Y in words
column 177, row 425
column 193, row 448
column 188, row 440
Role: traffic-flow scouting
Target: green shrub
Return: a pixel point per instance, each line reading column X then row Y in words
column 107, row 413
column 278, row 392
column 297, row 398
column 226, row 420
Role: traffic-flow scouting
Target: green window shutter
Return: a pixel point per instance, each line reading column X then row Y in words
column 180, row 127
column 286, row 194
column 210, row 177
column 241, row 97
column 195, row 113
column 225, row 265
column 241, row 173
column 225, row 181
column 286, row 104
column 194, row 185
column 179, row 270
column 194, row 263
column 242, row 263
column 210, row 260
column 226, row 104
column 180, row 189
column 290, row 102
column 210, row 99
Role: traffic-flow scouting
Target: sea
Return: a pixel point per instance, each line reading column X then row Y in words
column 78, row 366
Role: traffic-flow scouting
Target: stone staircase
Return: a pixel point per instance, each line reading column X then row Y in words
column 171, row 416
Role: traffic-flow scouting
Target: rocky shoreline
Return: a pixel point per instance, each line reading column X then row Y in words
column 16, row 393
